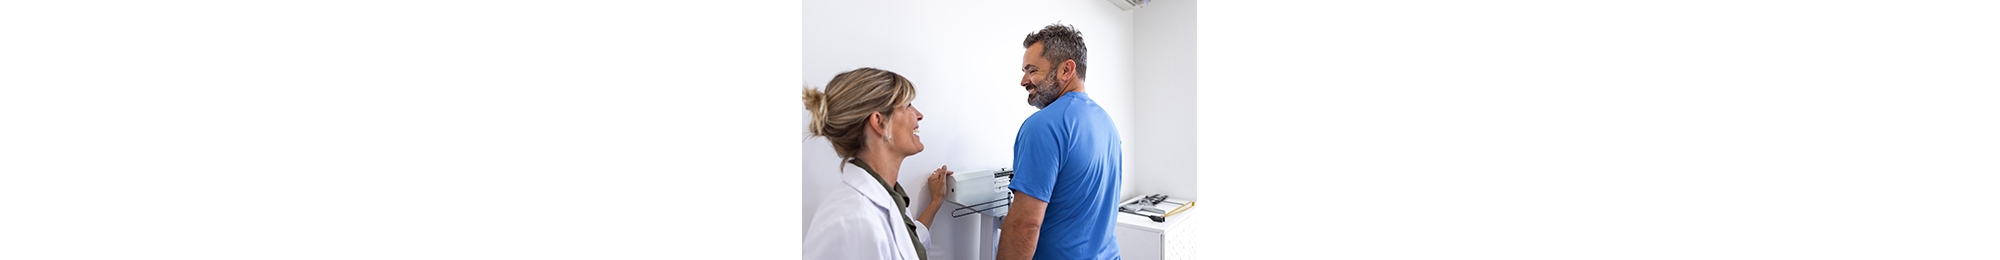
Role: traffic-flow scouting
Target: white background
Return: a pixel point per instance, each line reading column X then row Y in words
column 642, row 130
column 396, row 130
column 1597, row 130
column 1164, row 37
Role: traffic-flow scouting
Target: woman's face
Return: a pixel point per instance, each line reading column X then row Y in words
column 903, row 130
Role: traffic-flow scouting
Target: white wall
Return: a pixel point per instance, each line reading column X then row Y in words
column 1164, row 33
column 964, row 57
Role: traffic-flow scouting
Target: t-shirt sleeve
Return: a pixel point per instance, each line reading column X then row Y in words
column 1037, row 156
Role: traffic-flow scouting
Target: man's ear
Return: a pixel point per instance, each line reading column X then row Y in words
column 1068, row 70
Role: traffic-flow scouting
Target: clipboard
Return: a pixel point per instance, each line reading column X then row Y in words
column 1156, row 207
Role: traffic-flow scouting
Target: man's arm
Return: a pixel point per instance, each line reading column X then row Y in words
column 1022, row 228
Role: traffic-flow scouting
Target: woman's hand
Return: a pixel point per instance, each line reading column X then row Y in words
column 937, row 184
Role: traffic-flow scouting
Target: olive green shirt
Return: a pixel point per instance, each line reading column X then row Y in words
column 902, row 205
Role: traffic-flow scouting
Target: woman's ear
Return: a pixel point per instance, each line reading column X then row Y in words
column 875, row 125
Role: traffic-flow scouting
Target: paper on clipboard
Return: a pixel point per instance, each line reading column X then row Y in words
column 1155, row 207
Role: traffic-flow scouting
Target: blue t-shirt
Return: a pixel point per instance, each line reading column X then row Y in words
column 1068, row 155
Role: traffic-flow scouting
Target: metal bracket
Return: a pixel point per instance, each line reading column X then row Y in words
column 989, row 206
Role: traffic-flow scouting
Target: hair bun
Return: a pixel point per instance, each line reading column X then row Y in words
column 816, row 103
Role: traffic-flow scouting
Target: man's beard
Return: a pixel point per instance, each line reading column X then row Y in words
column 1045, row 93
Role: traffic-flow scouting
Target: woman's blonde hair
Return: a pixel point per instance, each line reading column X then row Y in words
column 840, row 113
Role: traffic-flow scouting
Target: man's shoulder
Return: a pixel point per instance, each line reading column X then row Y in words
column 1084, row 114
column 1067, row 109
column 1048, row 117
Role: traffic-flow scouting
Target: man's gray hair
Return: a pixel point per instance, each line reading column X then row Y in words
column 1060, row 42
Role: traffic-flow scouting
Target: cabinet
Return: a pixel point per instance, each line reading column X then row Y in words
column 1140, row 238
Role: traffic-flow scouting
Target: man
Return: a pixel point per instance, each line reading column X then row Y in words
column 1067, row 161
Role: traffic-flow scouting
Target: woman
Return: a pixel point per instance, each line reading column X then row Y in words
column 866, row 114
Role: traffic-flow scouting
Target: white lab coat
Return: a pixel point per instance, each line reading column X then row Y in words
column 860, row 221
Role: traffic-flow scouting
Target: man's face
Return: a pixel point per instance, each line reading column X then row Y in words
column 1039, row 78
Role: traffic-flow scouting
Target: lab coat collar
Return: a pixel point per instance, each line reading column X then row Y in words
column 860, row 181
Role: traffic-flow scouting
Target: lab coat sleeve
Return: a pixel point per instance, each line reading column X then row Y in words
column 843, row 237
column 924, row 235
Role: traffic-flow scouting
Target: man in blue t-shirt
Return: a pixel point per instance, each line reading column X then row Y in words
column 1067, row 160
